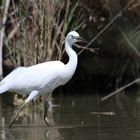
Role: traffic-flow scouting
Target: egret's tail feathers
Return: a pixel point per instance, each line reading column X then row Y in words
column 3, row 88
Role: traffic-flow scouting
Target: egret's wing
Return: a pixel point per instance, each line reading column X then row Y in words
column 38, row 76
column 47, row 66
column 5, row 83
column 31, row 70
column 14, row 74
column 33, row 77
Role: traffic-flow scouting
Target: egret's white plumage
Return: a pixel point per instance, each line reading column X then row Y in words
column 42, row 78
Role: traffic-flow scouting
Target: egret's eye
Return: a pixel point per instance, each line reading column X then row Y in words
column 72, row 36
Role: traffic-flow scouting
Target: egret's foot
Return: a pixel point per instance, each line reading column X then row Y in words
column 47, row 121
column 12, row 122
column 13, row 119
column 16, row 115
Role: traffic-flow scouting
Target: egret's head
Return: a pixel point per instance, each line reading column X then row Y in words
column 73, row 37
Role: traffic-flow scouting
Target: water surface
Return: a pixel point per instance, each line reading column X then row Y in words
column 76, row 117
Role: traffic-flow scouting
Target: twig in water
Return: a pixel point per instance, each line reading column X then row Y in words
column 120, row 89
column 103, row 113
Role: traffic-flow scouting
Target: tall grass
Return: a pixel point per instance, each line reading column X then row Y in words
column 37, row 29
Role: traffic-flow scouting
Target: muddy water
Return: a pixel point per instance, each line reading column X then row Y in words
column 76, row 117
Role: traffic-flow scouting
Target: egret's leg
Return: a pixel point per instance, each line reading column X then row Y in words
column 30, row 97
column 46, row 108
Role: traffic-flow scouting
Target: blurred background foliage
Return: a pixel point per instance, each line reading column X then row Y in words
column 35, row 31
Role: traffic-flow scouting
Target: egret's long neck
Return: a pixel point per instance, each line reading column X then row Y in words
column 72, row 63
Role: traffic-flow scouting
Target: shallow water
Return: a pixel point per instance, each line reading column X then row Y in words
column 75, row 117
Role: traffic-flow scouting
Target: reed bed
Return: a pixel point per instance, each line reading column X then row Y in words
column 36, row 30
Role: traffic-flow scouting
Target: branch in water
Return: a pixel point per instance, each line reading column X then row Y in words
column 120, row 89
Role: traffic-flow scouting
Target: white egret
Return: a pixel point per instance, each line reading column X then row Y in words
column 42, row 78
